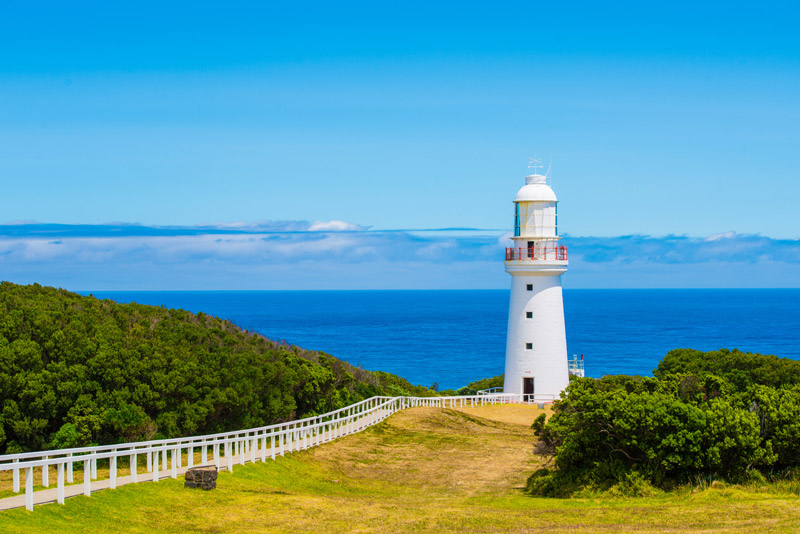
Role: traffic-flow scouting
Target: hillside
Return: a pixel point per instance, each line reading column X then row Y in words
column 421, row 470
column 76, row 370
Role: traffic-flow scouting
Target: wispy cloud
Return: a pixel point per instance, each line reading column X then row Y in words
column 332, row 254
column 727, row 247
column 264, row 242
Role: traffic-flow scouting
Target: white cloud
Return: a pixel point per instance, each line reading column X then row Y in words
column 237, row 255
column 717, row 237
column 334, row 225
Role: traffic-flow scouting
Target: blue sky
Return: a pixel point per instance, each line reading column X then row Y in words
column 669, row 119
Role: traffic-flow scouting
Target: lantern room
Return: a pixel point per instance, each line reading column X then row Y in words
column 535, row 210
column 536, row 223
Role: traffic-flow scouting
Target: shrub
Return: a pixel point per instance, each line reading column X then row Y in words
column 684, row 425
column 633, row 484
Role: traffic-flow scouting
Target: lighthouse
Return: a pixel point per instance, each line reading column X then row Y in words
column 536, row 346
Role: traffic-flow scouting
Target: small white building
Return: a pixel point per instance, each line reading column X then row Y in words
column 536, row 346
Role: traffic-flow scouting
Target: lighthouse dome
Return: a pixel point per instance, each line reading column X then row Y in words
column 536, row 190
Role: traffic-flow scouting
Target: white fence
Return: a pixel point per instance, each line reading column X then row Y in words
column 166, row 456
column 529, row 398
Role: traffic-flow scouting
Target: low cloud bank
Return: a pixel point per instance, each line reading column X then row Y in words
column 728, row 247
column 339, row 254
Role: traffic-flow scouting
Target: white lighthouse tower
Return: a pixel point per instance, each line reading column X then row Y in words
column 536, row 346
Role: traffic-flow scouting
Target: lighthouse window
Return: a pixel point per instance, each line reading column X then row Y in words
column 516, row 219
column 556, row 219
column 528, row 346
column 529, row 315
column 530, row 287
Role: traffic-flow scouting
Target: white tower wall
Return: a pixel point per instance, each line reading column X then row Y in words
column 546, row 361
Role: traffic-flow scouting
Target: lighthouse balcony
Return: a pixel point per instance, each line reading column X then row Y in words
column 537, row 253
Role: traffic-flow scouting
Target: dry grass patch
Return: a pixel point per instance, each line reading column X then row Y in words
column 430, row 449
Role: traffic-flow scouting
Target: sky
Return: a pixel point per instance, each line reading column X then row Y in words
column 311, row 145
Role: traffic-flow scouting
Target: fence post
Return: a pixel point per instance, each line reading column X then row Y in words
column 29, row 488
column 155, row 465
column 264, row 447
column 112, row 470
column 190, row 456
column 16, row 477
column 149, row 455
column 46, row 474
column 134, row 468
column 60, row 484
column 69, row 469
column 204, row 453
column 229, row 457
column 174, row 472
column 87, row 478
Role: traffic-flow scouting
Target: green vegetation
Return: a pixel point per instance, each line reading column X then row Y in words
column 394, row 386
column 722, row 415
column 76, row 371
column 421, row 470
column 473, row 387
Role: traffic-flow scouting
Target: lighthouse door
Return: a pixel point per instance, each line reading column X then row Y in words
column 527, row 389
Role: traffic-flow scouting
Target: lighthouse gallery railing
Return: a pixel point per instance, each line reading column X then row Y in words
column 225, row 449
column 537, row 253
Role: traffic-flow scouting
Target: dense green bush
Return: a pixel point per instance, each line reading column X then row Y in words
column 76, row 370
column 395, row 386
column 721, row 414
column 740, row 369
column 473, row 387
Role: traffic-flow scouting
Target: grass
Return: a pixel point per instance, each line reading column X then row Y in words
column 422, row 470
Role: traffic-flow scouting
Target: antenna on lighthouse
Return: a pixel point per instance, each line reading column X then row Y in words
column 549, row 166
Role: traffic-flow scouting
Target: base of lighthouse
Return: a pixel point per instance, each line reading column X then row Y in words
column 536, row 346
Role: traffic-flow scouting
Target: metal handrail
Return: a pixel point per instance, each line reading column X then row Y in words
column 537, row 253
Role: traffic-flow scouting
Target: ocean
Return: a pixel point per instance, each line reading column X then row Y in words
column 455, row 337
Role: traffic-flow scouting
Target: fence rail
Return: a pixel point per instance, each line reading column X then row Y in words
column 165, row 457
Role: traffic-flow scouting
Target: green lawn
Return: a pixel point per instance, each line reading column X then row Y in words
column 422, row 470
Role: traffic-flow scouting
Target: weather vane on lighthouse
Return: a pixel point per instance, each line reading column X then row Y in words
column 535, row 163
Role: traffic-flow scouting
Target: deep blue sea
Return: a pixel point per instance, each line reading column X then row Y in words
column 455, row 337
